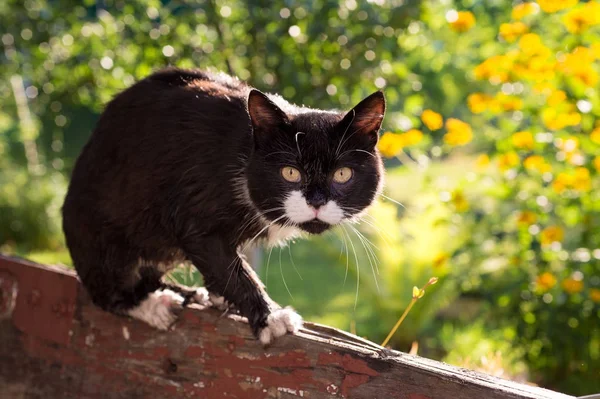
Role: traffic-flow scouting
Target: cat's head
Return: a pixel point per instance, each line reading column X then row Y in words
column 313, row 169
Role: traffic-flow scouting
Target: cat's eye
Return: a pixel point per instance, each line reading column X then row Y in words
column 342, row 175
column 291, row 174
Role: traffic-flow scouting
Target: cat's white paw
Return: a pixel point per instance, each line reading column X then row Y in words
column 279, row 323
column 218, row 302
column 159, row 309
column 202, row 297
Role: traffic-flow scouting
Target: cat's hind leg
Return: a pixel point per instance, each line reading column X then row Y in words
column 199, row 295
column 121, row 286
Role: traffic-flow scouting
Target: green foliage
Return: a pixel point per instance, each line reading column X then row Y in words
column 30, row 210
column 476, row 347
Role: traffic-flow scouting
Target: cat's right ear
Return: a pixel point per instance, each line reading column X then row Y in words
column 265, row 115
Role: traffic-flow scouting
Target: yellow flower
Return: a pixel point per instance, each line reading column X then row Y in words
column 537, row 163
column 483, row 160
column 597, row 164
column 432, row 120
column 577, row 21
column 463, row 21
column 595, row 50
column 580, row 19
column 552, row 234
column 390, row 144
column 551, row 6
column 522, row 10
column 537, row 67
column 526, row 218
column 458, row 132
column 512, row 31
column 523, row 140
column 460, row 202
column 496, row 68
column 509, row 103
column 595, row 295
column 556, row 97
column 412, row 137
column 582, row 180
column 562, row 182
column 579, row 65
column 508, row 160
column 531, row 43
column 572, row 286
column 479, row 102
column 546, row 281
column 595, row 135
column 559, row 118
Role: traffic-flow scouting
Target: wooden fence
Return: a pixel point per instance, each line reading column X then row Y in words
column 55, row 344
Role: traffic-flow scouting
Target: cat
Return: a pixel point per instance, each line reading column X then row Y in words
column 191, row 165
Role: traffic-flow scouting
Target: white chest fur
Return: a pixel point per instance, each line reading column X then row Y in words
column 279, row 235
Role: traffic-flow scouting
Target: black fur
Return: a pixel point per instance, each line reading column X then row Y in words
column 179, row 167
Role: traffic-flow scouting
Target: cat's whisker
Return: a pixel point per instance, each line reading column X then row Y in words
column 256, row 217
column 232, row 263
column 362, row 235
column 370, row 245
column 267, row 271
column 283, row 277
column 298, row 145
column 289, row 245
column 357, row 266
column 294, row 263
column 342, row 142
column 356, row 150
column 374, row 224
column 370, row 256
column 393, row 200
column 345, row 131
column 344, row 246
column 381, row 234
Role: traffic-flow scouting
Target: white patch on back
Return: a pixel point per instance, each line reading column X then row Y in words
column 158, row 310
column 331, row 213
column 279, row 323
column 296, row 208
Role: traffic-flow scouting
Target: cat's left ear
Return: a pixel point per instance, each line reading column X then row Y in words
column 366, row 117
column 266, row 117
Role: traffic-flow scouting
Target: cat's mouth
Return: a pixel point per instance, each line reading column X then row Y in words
column 314, row 226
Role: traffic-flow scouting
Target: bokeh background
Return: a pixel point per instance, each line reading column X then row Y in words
column 492, row 144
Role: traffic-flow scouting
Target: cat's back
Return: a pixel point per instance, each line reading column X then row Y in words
column 167, row 115
column 172, row 126
column 174, row 99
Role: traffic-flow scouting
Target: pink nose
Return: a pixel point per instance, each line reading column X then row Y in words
column 315, row 211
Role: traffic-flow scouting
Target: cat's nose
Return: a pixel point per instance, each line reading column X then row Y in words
column 316, row 200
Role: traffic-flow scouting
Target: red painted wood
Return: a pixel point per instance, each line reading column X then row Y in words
column 79, row 351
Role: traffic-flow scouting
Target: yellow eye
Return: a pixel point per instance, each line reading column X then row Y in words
column 342, row 175
column 291, row 174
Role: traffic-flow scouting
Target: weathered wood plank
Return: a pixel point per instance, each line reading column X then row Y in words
column 207, row 355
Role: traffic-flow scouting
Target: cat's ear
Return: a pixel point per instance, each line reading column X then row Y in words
column 366, row 117
column 264, row 114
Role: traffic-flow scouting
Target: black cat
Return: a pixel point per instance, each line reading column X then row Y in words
column 190, row 166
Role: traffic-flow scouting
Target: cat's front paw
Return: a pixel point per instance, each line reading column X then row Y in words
column 202, row 297
column 159, row 309
column 218, row 302
column 279, row 322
